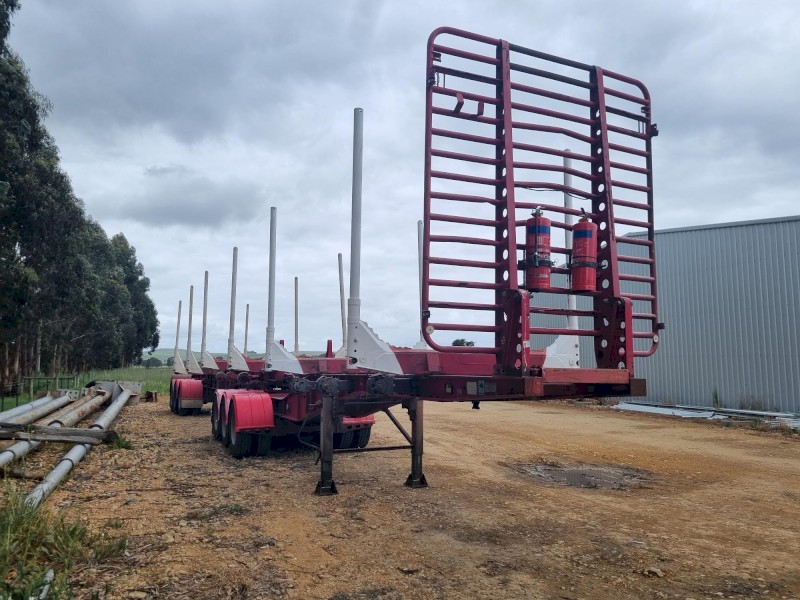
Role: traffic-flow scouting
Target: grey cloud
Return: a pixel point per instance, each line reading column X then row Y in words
column 176, row 195
column 164, row 170
column 180, row 124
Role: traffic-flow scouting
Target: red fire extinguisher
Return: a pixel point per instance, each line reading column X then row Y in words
column 537, row 252
column 584, row 256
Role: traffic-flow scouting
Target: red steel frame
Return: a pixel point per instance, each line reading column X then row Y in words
column 536, row 93
column 332, row 397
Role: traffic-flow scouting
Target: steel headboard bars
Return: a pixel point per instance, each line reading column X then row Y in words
column 499, row 118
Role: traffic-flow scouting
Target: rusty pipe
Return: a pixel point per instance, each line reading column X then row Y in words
column 75, row 455
column 18, row 410
column 77, row 414
column 37, row 412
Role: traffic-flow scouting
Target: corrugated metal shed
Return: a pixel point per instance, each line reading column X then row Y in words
column 730, row 297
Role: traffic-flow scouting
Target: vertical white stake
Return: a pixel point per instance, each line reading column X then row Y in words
column 205, row 317
column 178, row 328
column 296, row 319
column 246, row 326
column 233, row 305
column 354, row 301
column 189, row 334
column 273, row 222
column 341, row 302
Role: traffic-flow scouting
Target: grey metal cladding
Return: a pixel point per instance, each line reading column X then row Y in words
column 729, row 296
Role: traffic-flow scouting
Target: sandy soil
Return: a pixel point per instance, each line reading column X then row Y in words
column 704, row 512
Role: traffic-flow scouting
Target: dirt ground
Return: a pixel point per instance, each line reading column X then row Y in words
column 696, row 511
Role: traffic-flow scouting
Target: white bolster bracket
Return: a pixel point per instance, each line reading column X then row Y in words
column 191, row 364
column 177, row 364
column 564, row 353
column 236, row 361
column 280, row 359
column 365, row 350
column 207, row 361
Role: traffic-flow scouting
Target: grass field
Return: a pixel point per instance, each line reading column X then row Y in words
column 156, row 380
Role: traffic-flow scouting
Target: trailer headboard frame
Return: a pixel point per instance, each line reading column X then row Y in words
column 499, row 120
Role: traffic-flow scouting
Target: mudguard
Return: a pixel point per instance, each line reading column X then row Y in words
column 254, row 411
column 189, row 393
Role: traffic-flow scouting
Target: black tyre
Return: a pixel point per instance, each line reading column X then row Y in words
column 241, row 443
column 343, row 440
column 361, row 437
column 224, row 432
column 262, row 443
column 172, row 395
column 216, row 431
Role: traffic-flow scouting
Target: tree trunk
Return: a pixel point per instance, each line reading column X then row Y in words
column 56, row 358
column 17, row 351
column 39, row 349
column 4, row 367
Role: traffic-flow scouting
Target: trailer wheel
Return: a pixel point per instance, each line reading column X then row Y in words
column 182, row 412
column 224, row 431
column 240, row 442
column 262, row 443
column 172, row 396
column 361, row 438
column 343, row 440
column 216, row 430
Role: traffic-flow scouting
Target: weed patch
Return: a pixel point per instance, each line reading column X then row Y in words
column 121, row 443
column 32, row 541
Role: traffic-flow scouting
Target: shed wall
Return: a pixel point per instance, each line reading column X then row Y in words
column 730, row 298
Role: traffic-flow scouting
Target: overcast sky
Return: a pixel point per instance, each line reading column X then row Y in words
column 180, row 123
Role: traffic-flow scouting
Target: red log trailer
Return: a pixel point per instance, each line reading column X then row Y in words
column 498, row 119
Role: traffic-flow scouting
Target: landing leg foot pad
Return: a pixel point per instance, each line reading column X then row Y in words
column 326, row 488
column 416, row 483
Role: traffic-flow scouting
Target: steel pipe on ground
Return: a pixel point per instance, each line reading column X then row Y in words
column 61, row 412
column 34, row 410
column 68, row 419
column 17, row 410
column 74, row 456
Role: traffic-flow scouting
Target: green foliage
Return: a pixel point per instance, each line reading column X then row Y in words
column 155, row 380
column 67, row 289
column 462, row 342
column 32, row 541
column 121, row 443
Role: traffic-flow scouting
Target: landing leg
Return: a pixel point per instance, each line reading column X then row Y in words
column 326, row 485
column 415, row 412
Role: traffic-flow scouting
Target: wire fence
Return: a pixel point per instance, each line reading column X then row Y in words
column 25, row 389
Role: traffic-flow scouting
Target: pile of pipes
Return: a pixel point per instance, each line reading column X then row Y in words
column 54, row 419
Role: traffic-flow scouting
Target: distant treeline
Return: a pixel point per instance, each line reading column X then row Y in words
column 70, row 297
